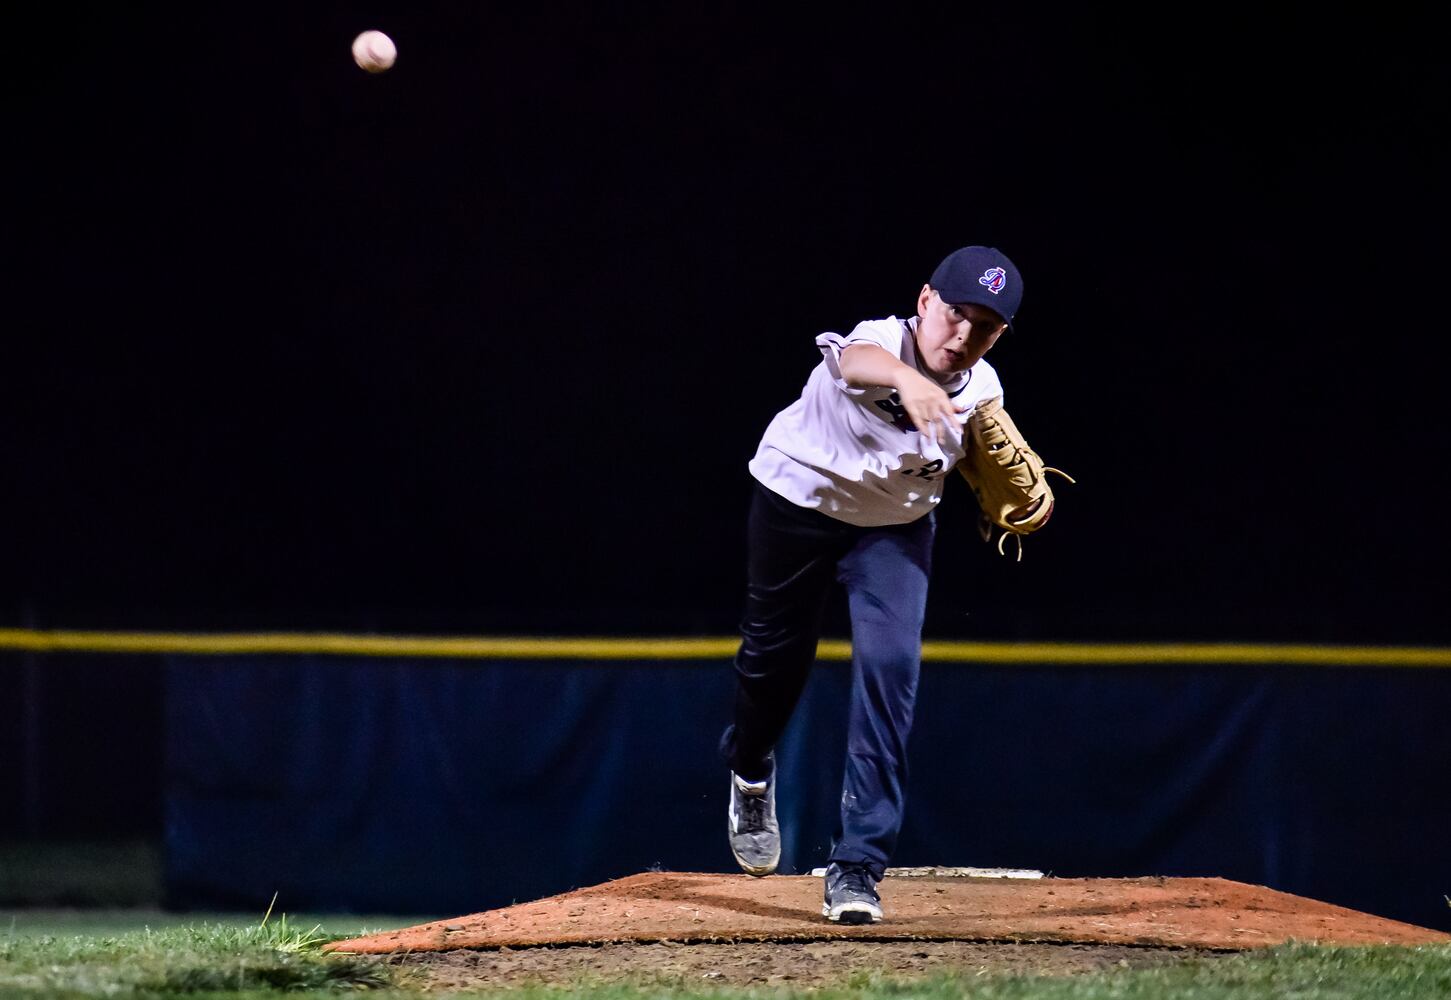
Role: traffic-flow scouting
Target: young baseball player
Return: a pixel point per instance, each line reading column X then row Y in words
column 847, row 479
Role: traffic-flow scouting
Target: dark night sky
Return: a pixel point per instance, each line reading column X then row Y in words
column 484, row 343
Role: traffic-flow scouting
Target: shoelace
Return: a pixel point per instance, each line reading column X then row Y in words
column 753, row 812
column 855, row 880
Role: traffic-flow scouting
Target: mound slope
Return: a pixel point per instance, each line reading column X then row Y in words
column 687, row 907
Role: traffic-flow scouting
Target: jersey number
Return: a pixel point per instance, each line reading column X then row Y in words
column 896, row 412
column 927, row 471
column 893, row 407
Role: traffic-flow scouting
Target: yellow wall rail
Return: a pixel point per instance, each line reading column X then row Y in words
column 705, row 648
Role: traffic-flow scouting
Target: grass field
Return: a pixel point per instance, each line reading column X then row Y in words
column 117, row 943
column 66, row 923
column 281, row 957
column 110, row 888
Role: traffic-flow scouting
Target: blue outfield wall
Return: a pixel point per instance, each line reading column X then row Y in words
column 451, row 786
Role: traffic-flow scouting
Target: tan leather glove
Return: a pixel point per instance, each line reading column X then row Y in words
column 1007, row 477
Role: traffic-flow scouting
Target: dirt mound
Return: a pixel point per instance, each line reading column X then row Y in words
column 756, row 963
column 1204, row 913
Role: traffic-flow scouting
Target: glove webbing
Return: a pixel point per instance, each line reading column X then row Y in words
column 985, row 526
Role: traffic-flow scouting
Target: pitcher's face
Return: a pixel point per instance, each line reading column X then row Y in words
column 953, row 338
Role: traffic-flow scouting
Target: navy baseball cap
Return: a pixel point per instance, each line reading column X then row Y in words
column 981, row 275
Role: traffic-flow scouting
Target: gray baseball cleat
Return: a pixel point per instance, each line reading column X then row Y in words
column 851, row 895
column 754, row 833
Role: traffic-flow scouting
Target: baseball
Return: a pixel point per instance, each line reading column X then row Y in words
column 374, row 51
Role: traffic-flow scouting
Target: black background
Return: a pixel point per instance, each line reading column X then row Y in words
column 485, row 342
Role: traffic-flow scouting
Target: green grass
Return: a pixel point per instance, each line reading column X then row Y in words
column 1304, row 972
column 266, row 958
column 278, row 958
column 32, row 923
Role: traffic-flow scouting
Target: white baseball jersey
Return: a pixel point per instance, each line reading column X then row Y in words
column 853, row 453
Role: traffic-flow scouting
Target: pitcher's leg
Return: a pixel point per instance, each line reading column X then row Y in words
column 886, row 575
column 790, row 566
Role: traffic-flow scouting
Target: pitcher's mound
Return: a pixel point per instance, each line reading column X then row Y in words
column 689, row 907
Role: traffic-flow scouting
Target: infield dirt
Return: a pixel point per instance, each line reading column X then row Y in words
column 691, row 908
column 773, row 963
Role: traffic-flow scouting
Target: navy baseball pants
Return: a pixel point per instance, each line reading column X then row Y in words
column 793, row 555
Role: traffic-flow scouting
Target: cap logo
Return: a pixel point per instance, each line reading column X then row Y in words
column 994, row 278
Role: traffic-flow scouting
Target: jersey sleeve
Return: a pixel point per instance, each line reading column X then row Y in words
column 884, row 333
